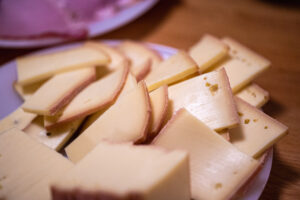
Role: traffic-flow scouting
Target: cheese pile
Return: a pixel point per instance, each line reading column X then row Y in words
column 189, row 126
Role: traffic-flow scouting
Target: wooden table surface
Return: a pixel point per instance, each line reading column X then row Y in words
column 271, row 28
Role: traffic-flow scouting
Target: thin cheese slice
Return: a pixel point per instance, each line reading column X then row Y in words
column 241, row 52
column 38, row 67
column 173, row 69
column 57, row 92
column 218, row 169
column 117, row 58
column 125, row 121
column 26, row 91
column 122, row 171
column 159, row 104
column 56, row 138
column 208, row 51
column 17, row 119
column 28, row 167
column 257, row 131
column 92, row 99
column 254, row 95
column 208, row 97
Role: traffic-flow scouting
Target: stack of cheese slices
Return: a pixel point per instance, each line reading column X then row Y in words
column 189, row 126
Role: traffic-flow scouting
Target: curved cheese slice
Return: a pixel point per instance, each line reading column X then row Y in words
column 59, row 91
column 125, row 121
column 93, row 98
column 171, row 70
column 38, row 67
column 218, row 169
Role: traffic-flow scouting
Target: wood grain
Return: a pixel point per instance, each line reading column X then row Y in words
column 271, row 28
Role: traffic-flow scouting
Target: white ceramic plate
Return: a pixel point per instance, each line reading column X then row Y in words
column 9, row 101
column 96, row 28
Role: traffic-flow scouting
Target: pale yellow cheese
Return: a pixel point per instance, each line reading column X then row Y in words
column 56, row 138
column 208, row 97
column 122, row 170
column 254, row 95
column 159, row 103
column 18, row 119
column 125, row 121
column 58, row 91
column 208, row 51
column 28, row 167
column 218, row 169
column 257, row 131
column 26, row 91
column 38, row 67
column 93, row 98
column 117, row 59
column 173, row 69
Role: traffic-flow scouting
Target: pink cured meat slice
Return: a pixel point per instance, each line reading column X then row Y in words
column 32, row 18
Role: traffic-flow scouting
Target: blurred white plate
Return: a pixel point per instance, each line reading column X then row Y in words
column 9, row 101
column 96, row 28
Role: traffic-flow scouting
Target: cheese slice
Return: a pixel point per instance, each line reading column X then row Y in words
column 254, row 95
column 125, row 121
column 26, row 91
column 257, row 131
column 218, row 169
column 241, row 52
column 56, row 138
column 208, row 97
column 38, row 67
column 173, row 69
column 208, row 51
column 57, row 92
column 92, row 99
column 117, row 58
column 122, row 171
column 28, row 167
column 159, row 103
column 17, row 119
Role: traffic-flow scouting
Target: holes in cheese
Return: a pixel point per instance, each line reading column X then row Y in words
column 58, row 91
column 173, row 69
column 56, row 138
column 208, row 97
column 28, row 167
column 254, row 95
column 117, row 59
column 141, row 58
column 257, row 131
column 18, row 119
column 208, row 51
column 93, row 98
column 218, row 169
column 124, row 171
column 38, row 67
column 125, row 121
column 159, row 103
column 26, row 91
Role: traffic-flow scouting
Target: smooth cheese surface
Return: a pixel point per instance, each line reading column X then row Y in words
column 26, row 91
column 56, row 138
column 171, row 70
column 93, row 98
column 120, row 169
column 208, row 51
column 208, row 97
column 17, row 119
column 254, row 95
column 218, row 169
column 51, row 96
column 24, row 164
column 125, row 121
column 159, row 103
column 257, row 131
column 38, row 67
